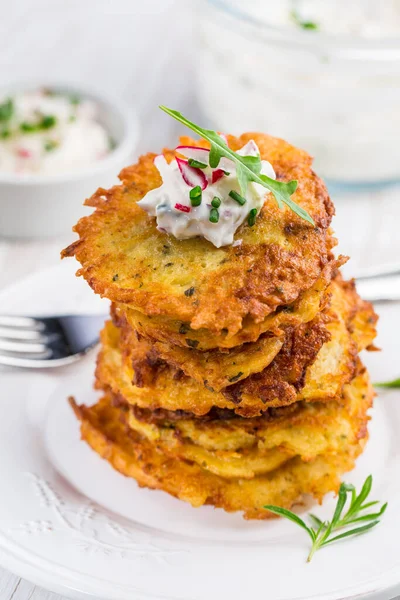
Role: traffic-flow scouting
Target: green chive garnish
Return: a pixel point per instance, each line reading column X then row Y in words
column 214, row 215
column 237, row 197
column 251, row 219
column 27, row 127
column 216, row 202
column 5, row 133
column 6, row 110
column 195, row 196
column 196, row 164
column 48, row 121
column 50, row 145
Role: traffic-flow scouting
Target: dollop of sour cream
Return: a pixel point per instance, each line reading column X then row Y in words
column 48, row 133
column 171, row 204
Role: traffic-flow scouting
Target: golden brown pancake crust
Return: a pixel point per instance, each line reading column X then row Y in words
column 126, row 259
column 305, row 369
column 134, row 456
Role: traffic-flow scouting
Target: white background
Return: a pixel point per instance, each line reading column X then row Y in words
column 145, row 52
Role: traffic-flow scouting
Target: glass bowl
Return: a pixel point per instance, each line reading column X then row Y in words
column 335, row 96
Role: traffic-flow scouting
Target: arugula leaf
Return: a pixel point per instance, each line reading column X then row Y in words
column 321, row 534
column 248, row 168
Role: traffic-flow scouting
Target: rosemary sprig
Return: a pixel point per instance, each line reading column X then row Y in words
column 395, row 383
column 322, row 533
column 248, row 168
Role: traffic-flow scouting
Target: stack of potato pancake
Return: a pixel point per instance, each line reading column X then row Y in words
column 231, row 375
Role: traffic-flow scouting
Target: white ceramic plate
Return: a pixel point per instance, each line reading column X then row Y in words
column 70, row 523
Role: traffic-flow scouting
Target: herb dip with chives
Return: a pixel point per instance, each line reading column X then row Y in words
column 198, row 200
column 48, row 133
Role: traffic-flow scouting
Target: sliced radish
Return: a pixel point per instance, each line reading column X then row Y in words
column 249, row 149
column 192, row 176
column 182, row 207
column 200, row 154
column 216, row 175
column 24, row 153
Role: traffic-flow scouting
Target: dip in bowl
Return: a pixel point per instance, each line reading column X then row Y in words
column 56, row 145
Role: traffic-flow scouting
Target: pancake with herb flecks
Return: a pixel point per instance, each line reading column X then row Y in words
column 314, row 363
column 135, row 456
column 125, row 258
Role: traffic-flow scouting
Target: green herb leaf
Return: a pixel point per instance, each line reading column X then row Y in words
column 351, row 532
column 237, row 197
column 248, row 168
column 321, row 534
column 50, row 145
column 214, row 215
column 294, row 15
column 196, row 164
column 6, row 110
column 195, row 196
column 251, row 218
column 288, row 514
column 395, row 383
column 317, row 522
column 26, row 127
column 47, row 121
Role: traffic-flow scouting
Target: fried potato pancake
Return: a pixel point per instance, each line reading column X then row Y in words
column 134, row 456
column 215, row 369
column 305, row 369
column 179, row 333
column 244, row 448
column 125, row 258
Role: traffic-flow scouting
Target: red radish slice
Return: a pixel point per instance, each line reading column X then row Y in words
column 249, row 149
column 216, row 175
column 182, row 207
column 200, row 154
column 24, row 153
column 192, row 176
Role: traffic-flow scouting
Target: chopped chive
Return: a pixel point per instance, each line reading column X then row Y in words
column 27, row 127
column 214, row 215
column 294, row 15
column 215, row 202
column 6, row 110
column 226, row 173
column 48, row 121
column 251, row 219
column 50, row 145
column 5, row 133
column 196, row 164
column 237, row 197
column 195, row 196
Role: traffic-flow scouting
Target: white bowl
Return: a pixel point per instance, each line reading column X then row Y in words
column 37, row 206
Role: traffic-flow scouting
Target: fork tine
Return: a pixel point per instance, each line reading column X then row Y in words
column 22, row 322
column 22, row 347
column 18, row 333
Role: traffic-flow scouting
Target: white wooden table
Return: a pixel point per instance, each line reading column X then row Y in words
column 127, row 46
column 142, row 51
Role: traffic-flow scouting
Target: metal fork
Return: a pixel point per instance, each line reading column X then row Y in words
column 47, row 342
